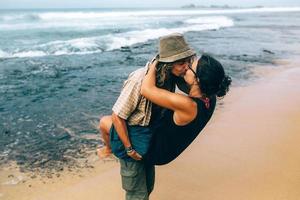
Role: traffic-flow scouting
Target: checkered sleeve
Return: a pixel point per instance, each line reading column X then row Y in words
column 128, row 99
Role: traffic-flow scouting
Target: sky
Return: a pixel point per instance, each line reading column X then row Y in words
column 15, row 4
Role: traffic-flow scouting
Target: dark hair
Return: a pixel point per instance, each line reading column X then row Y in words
column 212, row 77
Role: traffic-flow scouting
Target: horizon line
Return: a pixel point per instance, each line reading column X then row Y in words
column 161, row 7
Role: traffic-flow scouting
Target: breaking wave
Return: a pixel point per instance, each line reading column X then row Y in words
column 110, row 42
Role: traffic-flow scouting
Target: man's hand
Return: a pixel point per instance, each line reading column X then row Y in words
column 134, row 155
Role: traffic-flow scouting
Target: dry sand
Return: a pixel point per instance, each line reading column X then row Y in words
column 249, row 150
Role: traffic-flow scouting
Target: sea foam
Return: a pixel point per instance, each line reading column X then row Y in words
column 114, row 14
column 134, row 37
column 116, row 28
column 112, row 41
column 95, row 19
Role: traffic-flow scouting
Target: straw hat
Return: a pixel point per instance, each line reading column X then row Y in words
column 173, row 47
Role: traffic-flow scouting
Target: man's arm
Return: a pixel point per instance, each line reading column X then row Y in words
column 121, row 128
column 123, row 108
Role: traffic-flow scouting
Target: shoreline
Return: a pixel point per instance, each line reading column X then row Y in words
column 252, row 158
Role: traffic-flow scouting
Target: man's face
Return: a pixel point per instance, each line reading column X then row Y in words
column 180, row 68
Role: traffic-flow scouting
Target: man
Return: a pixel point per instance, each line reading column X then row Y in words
column 130, row 143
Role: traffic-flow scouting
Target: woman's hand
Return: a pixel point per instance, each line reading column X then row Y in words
column 149, row 80
column 152, row 66
column 189, row 77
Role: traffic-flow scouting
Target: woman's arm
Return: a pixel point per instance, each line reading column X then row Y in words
column 184, row 108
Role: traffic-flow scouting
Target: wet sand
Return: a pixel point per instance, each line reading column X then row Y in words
column 249, row 150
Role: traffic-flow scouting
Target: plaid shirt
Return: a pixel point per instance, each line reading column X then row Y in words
column 131, row 105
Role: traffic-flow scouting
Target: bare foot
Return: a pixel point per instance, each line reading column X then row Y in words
column 104, row 152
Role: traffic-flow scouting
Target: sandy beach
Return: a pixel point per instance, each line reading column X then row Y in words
column 249, row 150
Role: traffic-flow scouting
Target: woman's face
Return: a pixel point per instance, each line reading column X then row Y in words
column 190, row 76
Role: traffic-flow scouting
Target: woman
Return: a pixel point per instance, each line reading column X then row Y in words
column 186, row 115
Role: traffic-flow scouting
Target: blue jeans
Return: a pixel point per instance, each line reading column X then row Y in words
column 140, row 138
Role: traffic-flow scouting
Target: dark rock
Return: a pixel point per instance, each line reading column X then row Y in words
column 125, row 49
column 65, row 135
column 129, row 58
column 268, row 51
column 83, row 89
column 49, row 175
column 59, row 168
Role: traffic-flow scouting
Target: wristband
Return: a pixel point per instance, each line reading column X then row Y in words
column 129, row 149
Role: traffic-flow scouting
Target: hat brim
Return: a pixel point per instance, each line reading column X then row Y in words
column 176, row 57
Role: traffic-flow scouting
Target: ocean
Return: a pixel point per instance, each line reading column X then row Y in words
column 60, row 70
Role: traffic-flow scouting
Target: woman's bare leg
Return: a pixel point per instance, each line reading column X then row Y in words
column 104, row 127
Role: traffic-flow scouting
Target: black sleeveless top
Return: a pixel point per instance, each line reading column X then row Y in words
column 170, row 140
